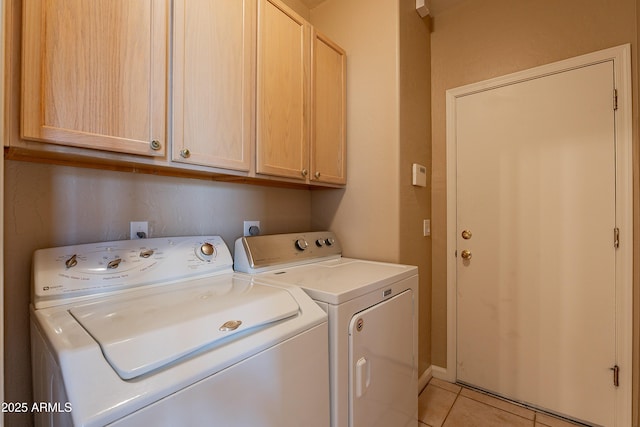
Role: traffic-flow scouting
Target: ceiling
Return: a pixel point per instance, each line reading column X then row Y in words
column 435, row 6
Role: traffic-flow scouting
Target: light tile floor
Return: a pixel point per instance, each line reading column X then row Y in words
column 443, row 404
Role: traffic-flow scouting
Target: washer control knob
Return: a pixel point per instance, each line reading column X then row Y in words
column 330, row 241
column 113, row 264
column 206, row 252
column 302, row 244
column 72, row 262
column 146, row 253
column 319, row 243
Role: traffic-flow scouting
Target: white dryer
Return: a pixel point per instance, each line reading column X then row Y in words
column 373, row 322
column 162, row 332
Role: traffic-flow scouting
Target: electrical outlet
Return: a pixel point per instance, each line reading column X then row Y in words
column 251, row 228
column 139, row 230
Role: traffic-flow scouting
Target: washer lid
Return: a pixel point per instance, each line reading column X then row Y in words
column 149, row 331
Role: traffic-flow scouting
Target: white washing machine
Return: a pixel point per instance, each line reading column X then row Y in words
column 162, row 332
column 373, row 322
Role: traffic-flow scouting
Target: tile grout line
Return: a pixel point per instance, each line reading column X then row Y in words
column 535, row 411
column 451, row 407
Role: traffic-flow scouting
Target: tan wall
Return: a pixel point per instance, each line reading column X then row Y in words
column 366, row 213
column 478, row 40
column 415, row 147
column 380, row 213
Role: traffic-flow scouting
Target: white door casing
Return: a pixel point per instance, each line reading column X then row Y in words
column 560, row 164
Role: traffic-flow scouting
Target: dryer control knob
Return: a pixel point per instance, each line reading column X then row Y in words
column 320, row 243
column 330, row 241
column 302, row 244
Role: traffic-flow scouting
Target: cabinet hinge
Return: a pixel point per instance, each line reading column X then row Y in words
column 616, row 375
column 615, row 99
column 616, row 237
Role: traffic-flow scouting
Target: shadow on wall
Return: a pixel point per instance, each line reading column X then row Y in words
column 324, row 208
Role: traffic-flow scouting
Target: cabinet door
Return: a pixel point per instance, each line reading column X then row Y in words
column 212, row 82
column 95, row 74
column 328, row 133
column 284, row 44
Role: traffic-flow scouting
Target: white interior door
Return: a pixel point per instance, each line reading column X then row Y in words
column 536, row 213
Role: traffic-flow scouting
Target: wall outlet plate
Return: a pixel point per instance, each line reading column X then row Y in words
column 136, row 228
column 251, row 228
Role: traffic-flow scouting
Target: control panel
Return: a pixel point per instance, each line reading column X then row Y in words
column 81, row 270
column 258, row 253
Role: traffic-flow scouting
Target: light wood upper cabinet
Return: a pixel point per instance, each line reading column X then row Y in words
column 328, row 129
column 213, row 85
column 284, row 61
column 255, row 91
column 301, row 128
column 95, row 74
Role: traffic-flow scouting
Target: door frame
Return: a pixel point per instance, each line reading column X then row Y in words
column 621, row 57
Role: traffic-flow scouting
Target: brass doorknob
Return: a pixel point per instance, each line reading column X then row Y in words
column 465, row 254
column 466, row 234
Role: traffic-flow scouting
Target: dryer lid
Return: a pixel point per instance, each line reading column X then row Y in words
column 140, row 334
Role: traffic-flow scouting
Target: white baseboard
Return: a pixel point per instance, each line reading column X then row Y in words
column 424, row 379
column 442, row 374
